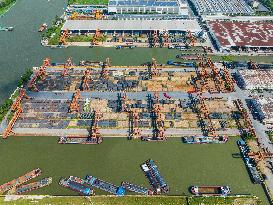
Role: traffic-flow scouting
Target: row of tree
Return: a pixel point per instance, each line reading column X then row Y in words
column 5, row 3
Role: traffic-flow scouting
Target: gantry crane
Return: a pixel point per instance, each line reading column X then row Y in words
column 39, row 74
column 159, row 131
column 63, row 37
column 94, row 131
column 67, row 65
column 134, row 118
column 17, row 108
column 154, row 68
column 155, row 37
column 253, row 65
column 74, row 105
column 166, row 38
column 105, row 69
column 260, row 155
column 228, row 80
column 95, row 40
column 191, row 38
column 86, row 80
column 98, row 14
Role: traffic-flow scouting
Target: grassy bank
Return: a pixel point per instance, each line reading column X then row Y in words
column 118, row 160
column 5, row 5
column 136, row 200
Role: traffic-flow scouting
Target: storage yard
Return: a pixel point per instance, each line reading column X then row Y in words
column 255, row 79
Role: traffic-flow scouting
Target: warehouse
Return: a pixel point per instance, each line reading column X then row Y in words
column 255, row 79
column 242, row 35
column 148, row 7
column 228, row 7
column 131, row 26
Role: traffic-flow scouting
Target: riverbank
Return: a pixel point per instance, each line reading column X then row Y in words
column 5, row 6
column 130, row 200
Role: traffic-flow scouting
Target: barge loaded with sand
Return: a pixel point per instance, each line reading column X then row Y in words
column 210, row 190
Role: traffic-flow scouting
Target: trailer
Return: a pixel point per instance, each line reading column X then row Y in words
column 135, row 188
column 76, row 184
column 105, row 186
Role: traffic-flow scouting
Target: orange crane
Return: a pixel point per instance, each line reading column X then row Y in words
column 191, row 38
column 159, row 120
column 16, row 106
column 105, row 69
column 253, row 65
column 95, row 40
column 68, row 64
column 63, row 37
column 154, row 69
column 46, row 62
column 74, row 105
column 166, row 38
column 94, row 132
column 98, row 15
column 260, row 155
column 155, row 37
column 86, row 80
column 228, row 80
column 135, row 130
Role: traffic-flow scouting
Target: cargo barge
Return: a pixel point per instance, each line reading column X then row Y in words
column 32, row 186
column 154, row 177
column 210, row 190
column 76, row 184
column 250, row 163
column 80, row 140
column 20, row 180
column 205, row 139
column 105, row 186
column 135, row 188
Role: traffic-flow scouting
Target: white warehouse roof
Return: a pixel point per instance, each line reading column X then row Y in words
column 120, row 25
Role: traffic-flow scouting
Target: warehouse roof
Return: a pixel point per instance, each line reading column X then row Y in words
column 121, row 25
column 143, row 3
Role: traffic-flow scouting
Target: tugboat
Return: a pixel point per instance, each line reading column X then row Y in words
column 42, row 27
column 80, row 140
column 205, row 140
column 210, row 190
column 6, row 28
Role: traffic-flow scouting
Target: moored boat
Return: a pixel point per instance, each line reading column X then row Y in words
column 80, row 140
column 210, row 190
column 6, row 28
column 205, row 139
column 42, row 27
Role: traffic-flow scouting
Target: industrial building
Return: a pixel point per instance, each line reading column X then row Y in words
column 242, row 35
column 131, row 26
column 179, row 7
column 255, row 79
column 228, row 7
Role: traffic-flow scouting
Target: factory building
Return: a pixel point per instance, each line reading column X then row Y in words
column 255, row 79
column 132, row 27
column 227, row 7
column 178, row 7
column 246, row 35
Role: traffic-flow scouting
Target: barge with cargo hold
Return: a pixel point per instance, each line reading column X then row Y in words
column 210, row 190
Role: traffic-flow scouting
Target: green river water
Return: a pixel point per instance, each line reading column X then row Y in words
column 21, row 49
